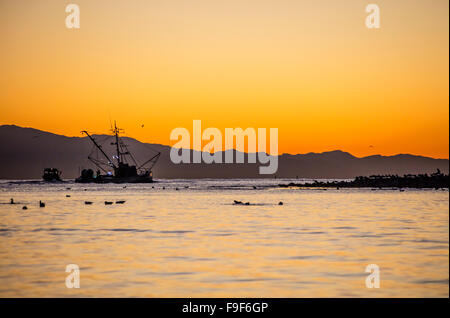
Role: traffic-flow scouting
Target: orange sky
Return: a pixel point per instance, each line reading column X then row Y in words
column 309, row 68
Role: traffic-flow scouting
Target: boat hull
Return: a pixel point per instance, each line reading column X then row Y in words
column 51, row 179
column 112, row 179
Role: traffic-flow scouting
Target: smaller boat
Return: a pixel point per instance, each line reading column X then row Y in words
column 51, row 174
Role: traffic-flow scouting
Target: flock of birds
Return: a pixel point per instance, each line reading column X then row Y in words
column 42, row 204
column 236, row 202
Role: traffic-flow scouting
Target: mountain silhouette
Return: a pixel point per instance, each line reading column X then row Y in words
column 25, row 152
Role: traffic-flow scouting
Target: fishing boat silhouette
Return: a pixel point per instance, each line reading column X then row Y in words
column 124, row 166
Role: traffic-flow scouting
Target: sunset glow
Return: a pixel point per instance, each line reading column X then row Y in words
column 309, row 68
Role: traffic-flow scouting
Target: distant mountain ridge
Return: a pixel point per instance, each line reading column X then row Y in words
column 25, row 152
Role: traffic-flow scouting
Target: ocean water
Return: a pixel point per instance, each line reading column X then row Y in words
column 193, row 242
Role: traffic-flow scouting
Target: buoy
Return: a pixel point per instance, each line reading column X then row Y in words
column 164, row 188
column 24, row 207
column 41, row 204
column 280, row 203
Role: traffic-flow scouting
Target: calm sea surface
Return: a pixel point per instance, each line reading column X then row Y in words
column 193, row 242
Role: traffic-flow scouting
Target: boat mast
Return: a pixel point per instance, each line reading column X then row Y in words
column 116, row 132
column 99, row 147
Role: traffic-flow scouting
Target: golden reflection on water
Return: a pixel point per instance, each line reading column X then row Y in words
column 195, row 243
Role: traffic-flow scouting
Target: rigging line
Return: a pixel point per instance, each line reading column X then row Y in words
column 98, row 164
column 99, row 147
column 131, row 156
column 147, row 146
column 155, row 158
